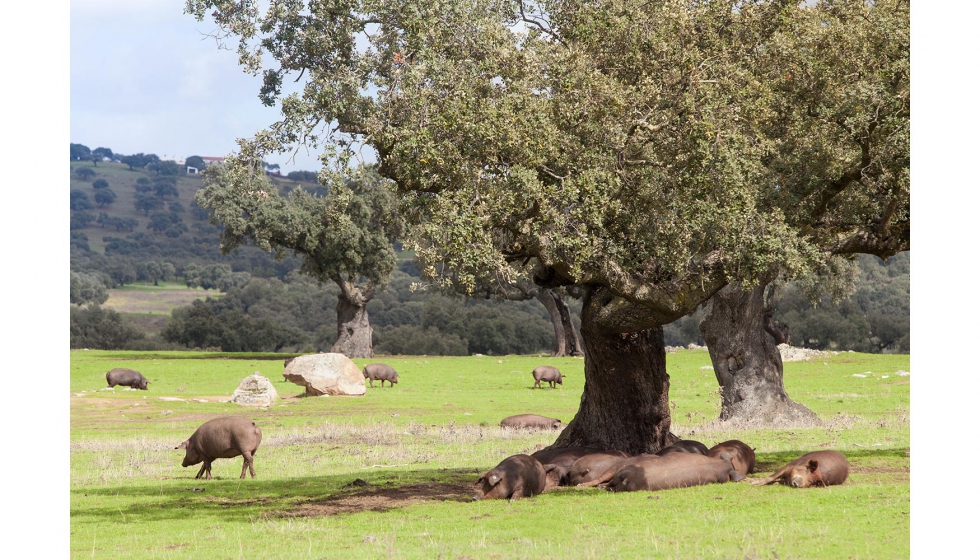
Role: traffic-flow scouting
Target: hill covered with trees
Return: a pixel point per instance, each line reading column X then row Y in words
column 134, row 220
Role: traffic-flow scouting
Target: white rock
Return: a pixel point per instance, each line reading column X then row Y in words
column 254, row 390
column 171, row 399
column 901, row 373
column 326, row 374
column 859, row 375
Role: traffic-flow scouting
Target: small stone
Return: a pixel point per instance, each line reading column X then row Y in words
column 172, row 399
column 859, row 375
column 370, row 538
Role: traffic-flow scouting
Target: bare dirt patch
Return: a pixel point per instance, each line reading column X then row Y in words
column 385, row 499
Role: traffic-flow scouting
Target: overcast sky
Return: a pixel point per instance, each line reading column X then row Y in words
column 145, row 78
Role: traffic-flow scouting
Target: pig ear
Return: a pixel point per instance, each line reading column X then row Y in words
column 493, row 479
column 481, row 479
column 811, row 466
column 182, row 446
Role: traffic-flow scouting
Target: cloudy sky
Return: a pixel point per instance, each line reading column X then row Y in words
column 145, row 78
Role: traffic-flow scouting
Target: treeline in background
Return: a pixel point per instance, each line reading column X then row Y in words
column 149, row 231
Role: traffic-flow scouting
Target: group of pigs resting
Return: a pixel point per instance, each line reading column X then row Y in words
column 685, row 463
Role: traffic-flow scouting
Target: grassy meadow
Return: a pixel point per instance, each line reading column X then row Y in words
column 390, row 474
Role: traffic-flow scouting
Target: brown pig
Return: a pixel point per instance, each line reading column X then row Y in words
column 546, row 373
column 743, row 456
column 674, row 470
column 593, row 466
column 126, row 377
column 819, row 468
column 532, row 421
column 222, row 438
column 685, row 446
column 382, row 372
column 516, row 477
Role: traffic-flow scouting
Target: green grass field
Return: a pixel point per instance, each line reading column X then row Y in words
column 419, row 447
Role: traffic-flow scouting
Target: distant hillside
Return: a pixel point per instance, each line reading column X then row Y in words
column 170, row 227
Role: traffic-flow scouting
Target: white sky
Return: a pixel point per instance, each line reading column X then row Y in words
column 144, row 78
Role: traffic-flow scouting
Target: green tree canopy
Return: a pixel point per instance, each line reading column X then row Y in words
column 85, row 173
column 652, row 152
column 345, row 238
column 104, row 196
column 80, row 152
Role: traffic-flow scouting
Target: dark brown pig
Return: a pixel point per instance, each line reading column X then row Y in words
column 593, row 466
column 126, row 377
column 546, row 373
column 380, row 372
column 685, row 446
column 557, row 461
column 516, row 477
column 599, row 477
column 222, row 438
column 549, row 455
column 820, row 468
column 743, row 457
column 674, row 470
column 532, row 421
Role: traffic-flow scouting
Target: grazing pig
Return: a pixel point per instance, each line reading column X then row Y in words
column 381, row 372
column 743, row 456
column 532, row 421
column 516, row 477
column 126, row 377
column 222, row 438
column 593, row 466
column 820, row 468
column 546, row 373
column 673, row 470
column 685, row 446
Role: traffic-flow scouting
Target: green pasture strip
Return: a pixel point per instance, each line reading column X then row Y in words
column 427, row 440
column 166, row 287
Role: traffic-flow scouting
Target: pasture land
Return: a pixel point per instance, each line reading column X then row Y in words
column 390, row 474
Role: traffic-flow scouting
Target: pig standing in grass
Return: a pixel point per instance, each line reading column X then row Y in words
column 126, row 377
column 222, row 438
column 380, row 372
column 516, row 477
column 546, row 373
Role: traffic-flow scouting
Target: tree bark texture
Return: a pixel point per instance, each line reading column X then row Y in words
column 572, row 345
column 747, row 363
column 353, row 329
column 625, row 403
column 566, row 338
column 545, row 297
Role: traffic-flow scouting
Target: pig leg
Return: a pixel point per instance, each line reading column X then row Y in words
column 518, row 493
column 537, row 383
column 371, row 381
column 247, row 464
column 200, row 473
column 207, row 470
column 773, row 478
column 602, row 479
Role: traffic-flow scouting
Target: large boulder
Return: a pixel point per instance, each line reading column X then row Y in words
column 255, row 390
column 326, row 374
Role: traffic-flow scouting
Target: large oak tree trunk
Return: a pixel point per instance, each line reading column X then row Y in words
column 625, row 404
column 353, row 329
column 747, row 363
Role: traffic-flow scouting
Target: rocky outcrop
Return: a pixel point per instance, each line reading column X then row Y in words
column 326, row 374
column 255, row 390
